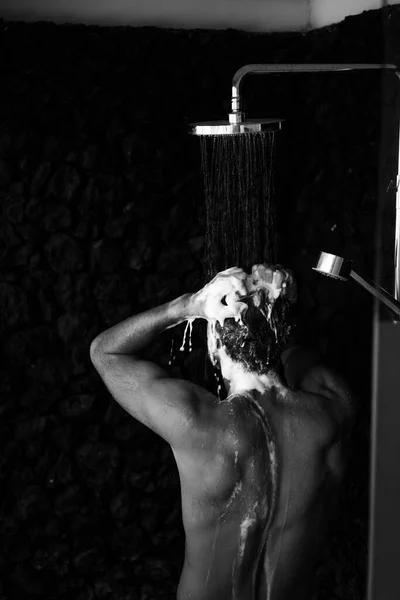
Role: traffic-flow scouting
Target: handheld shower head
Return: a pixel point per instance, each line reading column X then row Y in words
column 337, row 267
column 333, row 266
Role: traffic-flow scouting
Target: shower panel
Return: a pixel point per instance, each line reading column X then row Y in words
column 385, row 447
column 237, row 123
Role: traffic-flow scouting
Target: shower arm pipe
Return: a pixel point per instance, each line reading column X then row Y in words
column 237, row 115
column 377, row 291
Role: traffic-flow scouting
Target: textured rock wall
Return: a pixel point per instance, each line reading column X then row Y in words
column 102, row 216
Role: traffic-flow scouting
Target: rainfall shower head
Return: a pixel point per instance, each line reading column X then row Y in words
column 339, row 268
column 228, row 128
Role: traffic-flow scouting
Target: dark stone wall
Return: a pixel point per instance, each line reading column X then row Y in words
column 102, row 217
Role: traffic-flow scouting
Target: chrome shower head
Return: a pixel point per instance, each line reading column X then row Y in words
column 339, row 268
column 228, row 128
column 333, row 266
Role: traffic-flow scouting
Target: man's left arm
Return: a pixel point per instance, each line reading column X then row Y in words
column 165, row 405
column 170, row 407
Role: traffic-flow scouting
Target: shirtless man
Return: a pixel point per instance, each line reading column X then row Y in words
column 258, row 470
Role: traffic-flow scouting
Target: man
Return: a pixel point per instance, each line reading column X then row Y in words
column 259, row 469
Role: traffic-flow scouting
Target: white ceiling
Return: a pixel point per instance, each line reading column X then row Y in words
column 250, row 15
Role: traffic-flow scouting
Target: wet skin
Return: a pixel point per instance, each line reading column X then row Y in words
column 238, row 544
column 259, row 470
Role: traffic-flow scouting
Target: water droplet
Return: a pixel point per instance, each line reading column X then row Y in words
column 182, row 348
column 190, row 335
column 172, row 352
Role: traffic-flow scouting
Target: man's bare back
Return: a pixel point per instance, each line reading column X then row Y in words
column 255, row 489
column 258, row 469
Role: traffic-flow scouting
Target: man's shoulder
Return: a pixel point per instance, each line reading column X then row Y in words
column 332, row 389
column 297, row 360
column 304, row 369
column 323, row 379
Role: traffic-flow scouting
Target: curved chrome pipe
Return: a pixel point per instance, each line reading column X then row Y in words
column 237, row 114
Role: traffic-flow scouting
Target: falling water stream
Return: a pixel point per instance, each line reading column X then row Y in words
column 238, row 176
column 240, row 211
column 240, row 231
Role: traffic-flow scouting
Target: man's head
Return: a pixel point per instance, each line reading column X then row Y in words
column 256, row 342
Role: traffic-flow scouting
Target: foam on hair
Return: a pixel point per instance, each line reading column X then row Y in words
column 257, row 341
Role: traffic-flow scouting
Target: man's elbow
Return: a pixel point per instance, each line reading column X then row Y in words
column 96, row 351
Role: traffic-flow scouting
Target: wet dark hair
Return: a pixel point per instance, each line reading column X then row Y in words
column 258, row 343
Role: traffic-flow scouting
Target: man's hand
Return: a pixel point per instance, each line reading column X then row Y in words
column 220, row 299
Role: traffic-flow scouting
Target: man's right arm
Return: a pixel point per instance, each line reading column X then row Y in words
column 297, row 361
column 304, row 371
column 335, row 393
